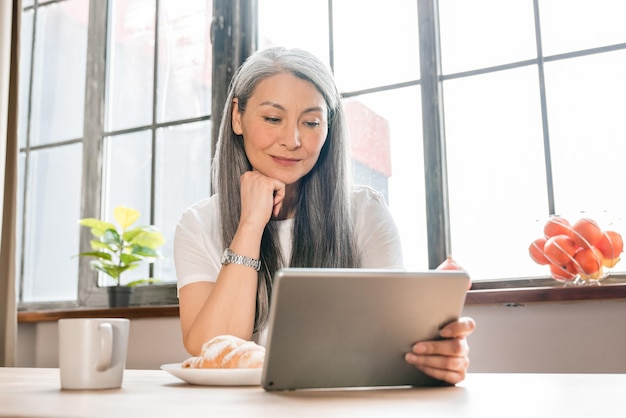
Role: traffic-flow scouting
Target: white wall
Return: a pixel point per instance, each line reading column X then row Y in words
column 582, row 337
column 152, row 342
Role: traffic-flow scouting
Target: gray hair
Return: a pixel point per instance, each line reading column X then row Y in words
column 323, row 228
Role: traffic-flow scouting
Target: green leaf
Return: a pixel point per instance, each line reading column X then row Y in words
column 104, row 262
column 99, row 254
column 112, row 237
column 97, row 226
column 125, row 216
column 109, row 271
column 95, row 245
column 131, row 267
column 122, row 269
column 145, row 252
column 130, row 258
column 132, row 233
column 152, row 239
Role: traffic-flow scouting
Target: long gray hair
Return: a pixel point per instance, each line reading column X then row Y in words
column 323, row 228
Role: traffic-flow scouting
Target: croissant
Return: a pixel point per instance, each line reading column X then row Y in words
column 227, row 352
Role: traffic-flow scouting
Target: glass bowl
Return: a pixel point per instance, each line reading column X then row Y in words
column 577, row 253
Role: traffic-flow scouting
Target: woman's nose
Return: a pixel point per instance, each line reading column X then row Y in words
column 290, row 137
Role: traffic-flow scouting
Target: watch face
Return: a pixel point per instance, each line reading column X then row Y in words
column 227, row 256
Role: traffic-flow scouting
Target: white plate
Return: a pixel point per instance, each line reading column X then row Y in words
column 215, row 377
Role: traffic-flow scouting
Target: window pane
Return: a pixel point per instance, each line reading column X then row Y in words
column 52, row 230
column 496, row 172
column 184, row 74
column 276, row 28
column 26, row 40
column 183, row 159
column 19, row 219
column 483, row 33
column 59, row 72
column 572, row 25
column 587, row 136
column 375, row 44
column 128, row 162
column 388, row 153
column 130, row 60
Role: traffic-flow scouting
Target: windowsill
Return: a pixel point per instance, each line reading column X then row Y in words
column 511, row 293
column 482, row 293
column 132, row 312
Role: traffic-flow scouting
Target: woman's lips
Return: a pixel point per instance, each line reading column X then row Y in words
column 285, row 162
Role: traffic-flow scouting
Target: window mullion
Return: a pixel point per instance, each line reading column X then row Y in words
column 91, row 194
column 437, row 209
column 234, row 37
column 544, row 111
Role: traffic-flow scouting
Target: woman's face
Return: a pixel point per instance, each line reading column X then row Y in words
column 284, row 127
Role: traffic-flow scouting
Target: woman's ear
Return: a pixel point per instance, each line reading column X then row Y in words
column 236, row 117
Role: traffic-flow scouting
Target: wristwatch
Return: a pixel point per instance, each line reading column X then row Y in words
column 229, row 257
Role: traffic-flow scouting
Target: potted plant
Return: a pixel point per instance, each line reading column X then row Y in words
column 119, row 250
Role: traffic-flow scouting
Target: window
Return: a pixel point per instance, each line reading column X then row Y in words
column 52, row 80
column 378, row 76
column 517, row 79
column 520, row 78
column 138, row 136
column 514, row 112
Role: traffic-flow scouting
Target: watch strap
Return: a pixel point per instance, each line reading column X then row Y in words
column 230, row 257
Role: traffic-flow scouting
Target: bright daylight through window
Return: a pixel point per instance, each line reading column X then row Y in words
column 531, row 96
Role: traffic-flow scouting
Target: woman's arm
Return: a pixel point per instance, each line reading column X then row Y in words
column 228, row 305
column 224, row 307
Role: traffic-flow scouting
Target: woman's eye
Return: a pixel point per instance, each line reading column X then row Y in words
column 312, row 124
column 272, row 120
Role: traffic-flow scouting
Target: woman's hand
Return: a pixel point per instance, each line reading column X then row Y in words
column 261, row 197
column 445, row 359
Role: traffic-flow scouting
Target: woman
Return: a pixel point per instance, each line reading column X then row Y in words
column 284, row 198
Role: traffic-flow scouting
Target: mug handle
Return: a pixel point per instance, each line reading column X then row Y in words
column 106, row 347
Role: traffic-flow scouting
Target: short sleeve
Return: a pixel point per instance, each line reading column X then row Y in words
column 197, row 243
column 378, row 239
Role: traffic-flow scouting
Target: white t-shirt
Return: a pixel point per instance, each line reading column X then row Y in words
column 198, row 245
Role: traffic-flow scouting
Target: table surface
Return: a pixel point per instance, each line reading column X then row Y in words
column 35, row 392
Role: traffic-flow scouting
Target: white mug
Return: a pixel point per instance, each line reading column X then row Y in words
column 92, row 352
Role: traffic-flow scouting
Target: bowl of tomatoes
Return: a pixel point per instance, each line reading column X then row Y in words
column 580, row 252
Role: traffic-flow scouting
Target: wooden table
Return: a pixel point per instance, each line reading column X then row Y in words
column 155, row 393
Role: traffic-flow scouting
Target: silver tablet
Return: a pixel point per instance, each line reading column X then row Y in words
column 331, row 328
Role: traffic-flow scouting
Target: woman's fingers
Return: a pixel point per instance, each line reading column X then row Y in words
column 456, row 364
column 261, row 196
column 455, row 347
column 279, row 196
column 446, row 359
column 452, row 375
column 459, row 328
